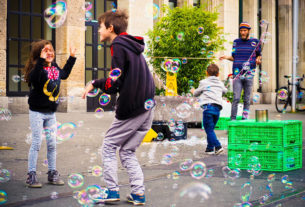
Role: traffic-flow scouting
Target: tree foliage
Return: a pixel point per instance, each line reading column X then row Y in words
column 178, row 34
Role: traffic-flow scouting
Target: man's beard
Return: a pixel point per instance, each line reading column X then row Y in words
column 245, row 37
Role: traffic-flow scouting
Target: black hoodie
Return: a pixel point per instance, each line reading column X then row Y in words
column 45, row 85
column 135, row 85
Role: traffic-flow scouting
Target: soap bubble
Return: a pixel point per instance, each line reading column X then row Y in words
column 160, row 136
column 5, row 175
column 210, row 173
column 75, row 180
column 180, row 36
column 55, row 15
column 179, row 129
column 149, row 104
column 203, row 51
column 88, row 16
column 94, row 92
column 99, row 113
column 65, row 131
column 193, row 190
column 210, row 54
column 282, row 94
column 87, row 5
column 97, row 171
column 167, row 159
column 54, row 195
column 166, row 65
column 16, row 78
column 263, row 23
column 245, row 192
column 266, row 37
column 175, row 175
column 3, row 197
column 104, row 99
column 115, row 73
column 205, row 38
column 256, row 98
column 271, row 177
column 253, row 146
column 200, row 30
column 186, row 164
column 176, row 65
column 156, row 11
column 183, row 110
column 253, row 43
column 5, row 114
column 184, row 60
column 198, row 170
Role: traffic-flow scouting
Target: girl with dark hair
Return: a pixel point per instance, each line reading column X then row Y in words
column 43, row 77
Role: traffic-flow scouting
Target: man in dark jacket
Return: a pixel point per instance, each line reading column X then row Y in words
column 131, row 78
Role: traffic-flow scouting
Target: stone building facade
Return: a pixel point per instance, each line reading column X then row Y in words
column 19, row 20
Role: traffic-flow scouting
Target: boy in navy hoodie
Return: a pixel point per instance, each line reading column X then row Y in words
column 133, row 116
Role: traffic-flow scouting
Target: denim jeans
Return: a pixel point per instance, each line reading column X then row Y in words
column 42, row 123
column 238, row 86
column 210, row 118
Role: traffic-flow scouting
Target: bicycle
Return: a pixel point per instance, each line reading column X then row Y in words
column 284, row 95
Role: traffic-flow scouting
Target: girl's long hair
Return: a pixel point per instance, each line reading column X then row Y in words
column 36, row 48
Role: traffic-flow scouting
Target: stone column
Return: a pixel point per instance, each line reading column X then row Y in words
column 228, row 19
column 285, row 40
column 72, row 33
column 3, row 17
column 250, row 10
column 269, row 53
column 301, row 46
column 140, row 15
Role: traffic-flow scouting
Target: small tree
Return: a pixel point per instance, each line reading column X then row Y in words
column 185, row 32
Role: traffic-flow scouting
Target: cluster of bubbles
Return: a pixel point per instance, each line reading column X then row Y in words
column 91, row 195
column 5, row 114
column 87, row 8
column 55, row 15
column 171, row 65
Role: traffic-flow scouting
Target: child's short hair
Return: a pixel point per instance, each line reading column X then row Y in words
column 119, row 20
column 213, row 70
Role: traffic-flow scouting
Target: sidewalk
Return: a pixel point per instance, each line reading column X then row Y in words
column 163, row 188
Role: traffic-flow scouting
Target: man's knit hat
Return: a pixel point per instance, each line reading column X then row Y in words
column 244, row 25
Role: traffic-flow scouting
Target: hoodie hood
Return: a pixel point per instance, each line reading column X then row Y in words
column 133, row 43
column 211, row 79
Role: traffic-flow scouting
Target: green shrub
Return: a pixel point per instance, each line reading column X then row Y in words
column 185, row 22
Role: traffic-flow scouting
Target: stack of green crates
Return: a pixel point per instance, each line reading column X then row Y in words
column 276, row 144
column 222, row 123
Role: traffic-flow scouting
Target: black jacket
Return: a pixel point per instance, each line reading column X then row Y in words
column 44, row 82
column 135, row 85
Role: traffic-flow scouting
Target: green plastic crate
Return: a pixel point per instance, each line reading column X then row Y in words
column 222, row 123
column 274, row 133
column 289, row 158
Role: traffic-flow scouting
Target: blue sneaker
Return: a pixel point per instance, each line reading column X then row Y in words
column 136, row 199
column 112, row 196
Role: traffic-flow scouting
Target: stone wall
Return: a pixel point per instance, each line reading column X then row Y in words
column 3, row 17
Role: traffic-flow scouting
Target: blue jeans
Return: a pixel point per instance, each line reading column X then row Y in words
column 238, row 86
column 42, row 123
column 210, row 118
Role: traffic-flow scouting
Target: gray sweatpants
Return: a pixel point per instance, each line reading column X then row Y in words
column 238, row 85
column 126, row 135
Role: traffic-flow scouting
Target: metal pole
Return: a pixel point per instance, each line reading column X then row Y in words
column 294, row 50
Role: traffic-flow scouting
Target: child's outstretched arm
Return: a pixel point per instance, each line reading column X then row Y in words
column 110, row 85
column 199, row 90
column 65, row 72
